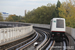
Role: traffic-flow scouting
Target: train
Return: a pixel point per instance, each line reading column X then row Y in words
column 57, row 29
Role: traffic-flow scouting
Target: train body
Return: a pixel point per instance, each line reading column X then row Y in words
column 57, row 28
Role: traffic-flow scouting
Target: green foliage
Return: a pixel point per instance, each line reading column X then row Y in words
column 15, row 18
column 67, row 11
column 58, row 4
column 42, row 14
column 56, row 10
column 1, row 17
column 9, row 18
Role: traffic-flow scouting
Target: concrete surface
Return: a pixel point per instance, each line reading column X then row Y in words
column 17, row 38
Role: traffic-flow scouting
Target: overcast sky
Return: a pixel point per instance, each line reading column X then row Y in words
column 18, row 7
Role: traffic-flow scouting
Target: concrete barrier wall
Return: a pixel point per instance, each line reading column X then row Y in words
column 68, row 30
column 8, row 34
column 73, row 33
column 42, row 25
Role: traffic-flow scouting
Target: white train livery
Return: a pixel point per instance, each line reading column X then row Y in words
column 57, row 28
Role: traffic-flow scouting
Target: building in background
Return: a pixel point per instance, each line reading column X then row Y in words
column 5, row 15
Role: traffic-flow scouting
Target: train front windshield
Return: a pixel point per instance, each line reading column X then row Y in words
column 60, row 23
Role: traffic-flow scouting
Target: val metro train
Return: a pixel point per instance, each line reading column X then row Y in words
column 57, row 29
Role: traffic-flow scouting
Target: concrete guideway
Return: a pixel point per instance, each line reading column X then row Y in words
column 12, row 34
column 69, row 30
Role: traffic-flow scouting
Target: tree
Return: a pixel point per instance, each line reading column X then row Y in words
column 9, row 18
column 15, row 18
column 67, row 10
column 1, row 17
column 58, row 4
column 56, row 10
column 42, row 14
